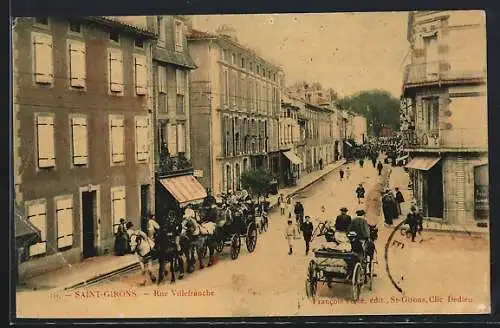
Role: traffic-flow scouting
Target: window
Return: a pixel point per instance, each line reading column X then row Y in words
column 179, row 36
column 242, row 62
column 181, row 138
column 232, row 88
column 432, row 55
column 229, row 179
column 42, row 56
column 115, row 70
column 117, row 139
column 162, row 135
column 79, row 140
column 162, row 79
column 141, row 75
column 141, row 138
column 64, row 219
column 45, row 141
column 172, row 140
column 233, row 59
column 75, row 27
column 161, row 31
column 37, row 215
column 77, row 65
column 139, row 43
column 114, row 36
column 42, row 20
column 180, row 77
column 225, row 86
column 118, row 206
column 432, row 108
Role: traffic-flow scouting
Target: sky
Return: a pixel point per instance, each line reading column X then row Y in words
column 348, row 52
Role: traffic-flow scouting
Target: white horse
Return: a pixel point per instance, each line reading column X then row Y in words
column 142, row 246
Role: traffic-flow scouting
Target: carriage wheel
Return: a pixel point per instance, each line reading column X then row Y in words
column 220, row 246
column 235, row 246
column 370, row 274
column 312, row 280
column 357, row 281
column 251, row 238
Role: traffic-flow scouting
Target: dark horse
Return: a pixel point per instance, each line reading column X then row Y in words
column 169, row 249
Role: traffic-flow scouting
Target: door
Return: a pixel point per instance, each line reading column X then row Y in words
column 144, row 206
column 88, row 223
column 435, row 191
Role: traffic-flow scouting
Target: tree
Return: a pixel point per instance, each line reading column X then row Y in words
column 256, row 181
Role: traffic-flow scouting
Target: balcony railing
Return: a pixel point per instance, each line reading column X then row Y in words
column 169, row 165
column 453, row 138
column 438, row 71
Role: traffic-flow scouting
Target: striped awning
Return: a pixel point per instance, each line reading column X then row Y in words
column 423, row 163
column 184, row 189
column 348, row 143
column 292, row 157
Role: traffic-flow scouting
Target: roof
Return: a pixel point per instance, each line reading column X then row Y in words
column 115, row 23
column 197, row 34
column 173, row 57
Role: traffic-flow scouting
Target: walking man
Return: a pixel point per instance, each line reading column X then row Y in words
column 387, row 208
column 307, row 230
column 343, row 220
column 414, row 220
column 360, row 193
column 299, row 212
column 347, row 172
column 341, row 173
column 291, row 234
column 380, row 166
column 399, row 199
column 281, row 201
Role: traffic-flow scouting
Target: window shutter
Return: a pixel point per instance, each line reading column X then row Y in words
column 78, row 72
column 116, row 70
column 80, row 141
column 141, row 75
column 179, row 36
column 162, row 79
column 118, row 199
column 37, row 215
column 64, row 215
column 141, row 138
column 180, row 81
column 181, row 145
column 44, row 67
column 45, row 141
column 117, row 140
column 172, row 140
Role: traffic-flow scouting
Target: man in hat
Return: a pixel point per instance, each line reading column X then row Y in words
column 307, row 231
column 360, row 192
column 299, row 212
column 359, row 225
column 414, row 220
column 208, row 204
column 343, row 220
column 380, row 166
column 399, row 199
column 387, row 208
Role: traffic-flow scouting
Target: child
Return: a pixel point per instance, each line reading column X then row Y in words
column 291, row 233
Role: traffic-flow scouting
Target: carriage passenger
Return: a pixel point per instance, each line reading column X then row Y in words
column 152, row 227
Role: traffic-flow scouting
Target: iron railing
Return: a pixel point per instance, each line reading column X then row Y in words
column 459, row 138
column 439, row 71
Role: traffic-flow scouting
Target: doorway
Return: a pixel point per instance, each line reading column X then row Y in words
column 144, row 206
column 88, row 223
column 435, row 191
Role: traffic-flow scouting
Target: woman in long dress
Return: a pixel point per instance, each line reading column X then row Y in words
column 121, row 239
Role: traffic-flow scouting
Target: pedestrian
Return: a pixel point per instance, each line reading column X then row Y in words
column 121, row 239
column 347, row 172
column 359, row 225
column 307, row 231
column 281, row 201
column 374, row 161
column 341, row 173
column 360, row 193
column 288, row 209
column 343, row 220
column 395, row 213
column 380, row 166
column 414, row 220
column 399, row 199
column 299, row 213
column 152, row 227
column 291, row 234
column 387, row 208
column 361, row 162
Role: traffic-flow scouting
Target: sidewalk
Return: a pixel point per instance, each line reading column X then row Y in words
column 101, row 267
column 399, row 178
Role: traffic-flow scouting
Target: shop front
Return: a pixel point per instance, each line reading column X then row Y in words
column 290, row 172
column 481, row 198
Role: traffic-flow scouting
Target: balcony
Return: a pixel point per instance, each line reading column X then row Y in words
column 173, row 165
column 440, row 72
column 464, row 139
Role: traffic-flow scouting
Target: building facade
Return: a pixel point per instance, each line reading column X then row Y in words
column 81, row 133
column 291, row 141
column 445, row 109
column 360, row 128
column 235, row 105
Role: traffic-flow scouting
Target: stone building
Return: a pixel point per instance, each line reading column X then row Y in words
column 81, row 101
column 235, row 106
column 291, row 140
column 445, row 106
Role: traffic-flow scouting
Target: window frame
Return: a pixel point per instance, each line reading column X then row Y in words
column 137, row 120
column 38, row 24
column 179, row 33
column 110, row 51
column 140, row 91
column 62, row 198
column 44, row 236
column 41, row 83
column 162, row 79
column 110, row 133
column 71, row 126
column 116, row 42
column 114, row 226
column 80, row 25
column 162, row 35
column 37, row 142
column 69, row 43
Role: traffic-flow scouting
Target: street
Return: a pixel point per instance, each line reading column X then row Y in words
column 441, row 272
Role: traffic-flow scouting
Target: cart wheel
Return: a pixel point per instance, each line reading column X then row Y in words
column 357, row 281
column 220, row 246
column 370, row 274
column 251, row 238
column 235, row 246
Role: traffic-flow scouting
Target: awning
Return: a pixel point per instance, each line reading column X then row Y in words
column 481, row 162
column 23, row 228
column 348, row 143
column 184, row 189
column 401, row 158
column 422, row 163
column 292, row 157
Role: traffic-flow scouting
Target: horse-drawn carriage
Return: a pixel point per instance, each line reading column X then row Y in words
column 345, row 259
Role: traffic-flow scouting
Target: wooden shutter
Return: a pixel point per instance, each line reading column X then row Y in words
column 37, row 215
column 80, row 141
column 141, row 75
column 78, row 72
column 117, row 140
column 45, row 141
column 44, row 67
column 115, row 70
column 119, row 206
column 180, row 78
column 181, row 138
column 162, row 79
column 172, row 140
column 141, row 138
column 64, row 217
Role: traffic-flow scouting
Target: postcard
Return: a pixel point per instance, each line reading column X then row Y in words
column 251, row 165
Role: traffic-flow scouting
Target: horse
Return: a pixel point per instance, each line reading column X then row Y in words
column 143, row 247
column 192, row 241
column 169, row 250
